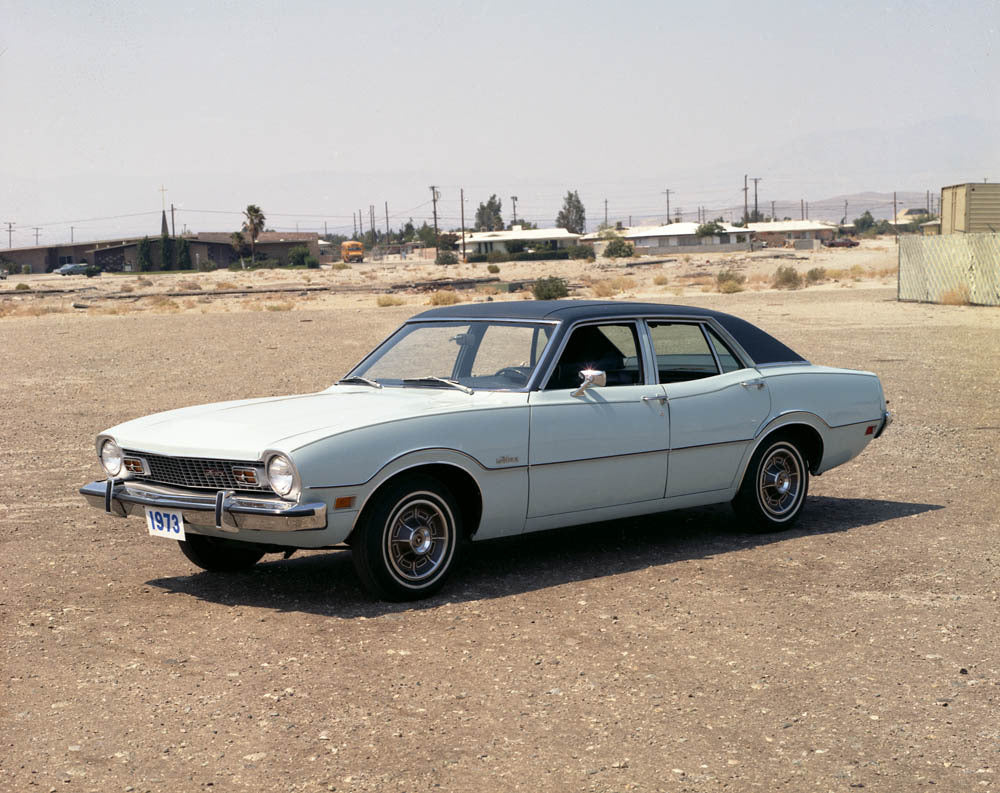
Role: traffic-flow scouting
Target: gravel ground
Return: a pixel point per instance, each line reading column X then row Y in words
column 670, row 653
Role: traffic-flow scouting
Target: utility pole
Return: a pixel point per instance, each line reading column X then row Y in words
column 513, row 200
column 756, row 213
column 746, row 208
column 71, row 235
column 807, row 210
column 605, row 212
column 10, row 231
column 37, row 230
column 667, row 194
column 371, row 217
column 326, row 232
column 802, row 208
column 173, row 225
column 386, row 222
column 773, row 218
column 894, row 227
column 928, row 202
column 434, row 198
column 845, row 211
column 461, row 197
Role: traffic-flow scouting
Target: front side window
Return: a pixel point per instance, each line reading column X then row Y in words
column 611, row 348
column 480, row 355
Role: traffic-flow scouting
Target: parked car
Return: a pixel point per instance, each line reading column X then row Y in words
column 78, row 268
column 841, row 242
column 478, row 421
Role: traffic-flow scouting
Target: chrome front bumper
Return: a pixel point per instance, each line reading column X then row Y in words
column 223, row 510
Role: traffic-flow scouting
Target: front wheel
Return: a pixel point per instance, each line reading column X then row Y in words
column 407, row 541
column 774, row 486
column 218, row 554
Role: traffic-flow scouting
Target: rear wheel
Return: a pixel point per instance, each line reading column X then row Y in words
column 774, row 486
column 408, row 540
column 218, row 554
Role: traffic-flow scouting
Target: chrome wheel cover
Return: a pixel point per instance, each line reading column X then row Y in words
column 780, row 479
column 418, row 540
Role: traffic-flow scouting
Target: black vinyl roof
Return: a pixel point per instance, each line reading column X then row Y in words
column 760, row 346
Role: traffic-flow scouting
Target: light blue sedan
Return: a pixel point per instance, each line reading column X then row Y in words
column 489, row 420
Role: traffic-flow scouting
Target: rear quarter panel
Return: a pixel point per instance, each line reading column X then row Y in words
column 846, row 401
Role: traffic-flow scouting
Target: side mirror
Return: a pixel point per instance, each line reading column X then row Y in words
column 590, row 377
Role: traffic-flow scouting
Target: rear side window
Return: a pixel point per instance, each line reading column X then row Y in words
column 728, row 359
column 682, row 352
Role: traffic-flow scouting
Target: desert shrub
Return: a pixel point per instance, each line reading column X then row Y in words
column 446, row 257
column 297, row 256
column 494, row 257
column 619, row 248
column 660, row 280
column 25, row 269
column 190, row 286
column 551, row 288
column 384, row 301
column 92, row 270
column 729, row 281
column 603, row 289
column 22, row 287
column 278, row 307
column 493, row 268
column 540, row 256
column 127, row 288
column 312, row 263
column 956, row 297
column 786, row 277
column 816, row 274
column 581, row 252
column 444, row 297
column 340, row 266
column 476, row 258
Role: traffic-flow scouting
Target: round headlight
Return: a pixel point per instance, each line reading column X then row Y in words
column 111, row 457
column 280, row 474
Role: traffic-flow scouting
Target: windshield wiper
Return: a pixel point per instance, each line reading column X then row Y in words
column 356, row 378
column 432, row 379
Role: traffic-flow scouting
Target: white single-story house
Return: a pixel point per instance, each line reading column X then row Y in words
column 778, row 232
column 488, row 241
column 680, row 238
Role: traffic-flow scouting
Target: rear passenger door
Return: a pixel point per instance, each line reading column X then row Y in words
column 715, row 403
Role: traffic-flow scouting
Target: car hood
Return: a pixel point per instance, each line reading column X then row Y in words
column 245, row 429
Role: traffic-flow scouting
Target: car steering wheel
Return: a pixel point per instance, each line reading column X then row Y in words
column 518, row 374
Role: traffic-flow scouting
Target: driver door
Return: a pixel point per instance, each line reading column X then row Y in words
column 607, row 446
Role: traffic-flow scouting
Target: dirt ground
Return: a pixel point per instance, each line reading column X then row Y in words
column 671, row 653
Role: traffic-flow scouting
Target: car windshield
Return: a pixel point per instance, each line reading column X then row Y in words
column 485, row 354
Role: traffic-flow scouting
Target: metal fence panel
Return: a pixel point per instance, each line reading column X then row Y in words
column 950, row 268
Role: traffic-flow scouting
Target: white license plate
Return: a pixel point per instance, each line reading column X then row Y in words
column 165, row 523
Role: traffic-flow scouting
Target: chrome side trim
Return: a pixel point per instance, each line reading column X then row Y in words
column 223, row 509
column 466, row 455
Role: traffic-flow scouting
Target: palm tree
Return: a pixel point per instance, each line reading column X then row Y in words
column 253, row 224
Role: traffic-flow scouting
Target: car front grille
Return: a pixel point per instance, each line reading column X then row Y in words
column 198, row 472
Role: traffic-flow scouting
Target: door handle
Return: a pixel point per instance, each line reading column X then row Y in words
column 758, row 383
column 660, row 399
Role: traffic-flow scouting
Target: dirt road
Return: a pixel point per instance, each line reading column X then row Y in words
column 673, row 653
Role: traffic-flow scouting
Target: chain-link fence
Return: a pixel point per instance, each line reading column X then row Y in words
column 952, row 268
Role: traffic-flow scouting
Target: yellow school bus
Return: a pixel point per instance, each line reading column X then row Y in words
column 352, row 251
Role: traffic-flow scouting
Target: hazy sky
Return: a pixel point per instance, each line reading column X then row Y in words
column 315, row 109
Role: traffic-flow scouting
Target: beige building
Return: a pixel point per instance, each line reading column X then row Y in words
column 778, row 233
column 970, row 208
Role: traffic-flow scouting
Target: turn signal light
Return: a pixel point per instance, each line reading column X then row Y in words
column 343, row 502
